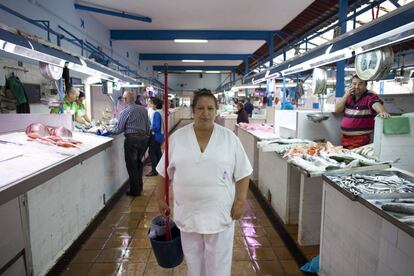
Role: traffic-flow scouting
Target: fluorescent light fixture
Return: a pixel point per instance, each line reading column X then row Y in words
column 193, row 60
column 83, row 69
column 127, row 85
column 190, row 40
column 247, row 87
column 32, row 54
column 194, row 71
column 213, row 72
column 280, row 85
column 93, row 80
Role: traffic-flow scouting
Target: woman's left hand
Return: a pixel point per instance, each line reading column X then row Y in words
column 237, row 210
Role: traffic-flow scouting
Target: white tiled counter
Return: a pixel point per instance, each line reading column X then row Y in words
column 310, row 203
column 63, row 190
column 279, row 182
column 356, row 240
column 249, row 139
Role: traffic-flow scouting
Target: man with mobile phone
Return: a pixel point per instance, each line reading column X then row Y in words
column 360, row 107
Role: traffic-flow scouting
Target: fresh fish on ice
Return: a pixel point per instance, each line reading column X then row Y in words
column 399, row 208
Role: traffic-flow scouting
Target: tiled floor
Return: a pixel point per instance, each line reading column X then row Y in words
column 119, row 246
column 309, row 251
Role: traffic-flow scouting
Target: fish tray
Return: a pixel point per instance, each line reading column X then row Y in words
column 353, row 195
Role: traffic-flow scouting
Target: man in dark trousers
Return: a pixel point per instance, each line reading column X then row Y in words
column 248, row 106
column 134, row 123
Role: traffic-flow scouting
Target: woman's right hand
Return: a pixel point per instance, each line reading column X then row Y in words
column 164, row 208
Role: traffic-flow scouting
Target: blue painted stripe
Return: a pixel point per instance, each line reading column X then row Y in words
column 187, row 34
column 204, row 68
column 388, row 22
column 192, row 56
column 113, row 13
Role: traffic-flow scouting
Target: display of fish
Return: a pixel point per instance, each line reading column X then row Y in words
column 403, row 208
column 373, row 184
column 37, row 130
column 408, row 220
column 57, row 136
column 399, row 200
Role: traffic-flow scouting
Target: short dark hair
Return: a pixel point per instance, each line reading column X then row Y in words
column 203, row 93
column 357, row 77
column 157, row 102
column 81, row 95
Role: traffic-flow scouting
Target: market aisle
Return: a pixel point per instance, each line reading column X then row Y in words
column 119, row 245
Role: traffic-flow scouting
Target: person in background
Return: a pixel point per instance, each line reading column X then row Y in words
column 138, row 100
column 209, row 172
column 248, row 106
column 360, row 107
column 81, row 116
column 134, row 123
column 157, row 134
column 69, row 102
column 242, row 116
column 120, row 105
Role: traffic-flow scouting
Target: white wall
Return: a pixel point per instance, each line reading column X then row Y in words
column 63, row 13
column 192, row 81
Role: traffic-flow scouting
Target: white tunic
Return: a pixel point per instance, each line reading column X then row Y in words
column 204, row 182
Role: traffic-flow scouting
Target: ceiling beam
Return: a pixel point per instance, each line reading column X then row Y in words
column 192, row 56
column 121, row 14
column 188, row 34
column 160, row 68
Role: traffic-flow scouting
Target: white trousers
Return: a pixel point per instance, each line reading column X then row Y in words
column 208, row 254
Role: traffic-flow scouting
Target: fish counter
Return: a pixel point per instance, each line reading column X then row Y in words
column 50, row 191
column 368, row 223
column 249, row 135
column 290, row 170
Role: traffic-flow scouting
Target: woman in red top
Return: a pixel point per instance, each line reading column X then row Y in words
column 360, row 107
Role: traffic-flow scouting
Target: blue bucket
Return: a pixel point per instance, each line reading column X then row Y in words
column 169, row 254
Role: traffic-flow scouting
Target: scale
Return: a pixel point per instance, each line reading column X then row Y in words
column 374, row 65
column 319, row 80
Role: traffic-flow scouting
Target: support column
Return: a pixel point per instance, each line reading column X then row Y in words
column 340, row 65
column 246, row 70
column 283, row 104
column 271, row 47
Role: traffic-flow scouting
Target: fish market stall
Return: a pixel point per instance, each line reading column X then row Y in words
column 299, row 192
column 174, row 117
column 228, row 120
column 297, row 124
column 311, row 165
column 52, row 186
column 367, row 223
column 249, row 135
column 279, row 181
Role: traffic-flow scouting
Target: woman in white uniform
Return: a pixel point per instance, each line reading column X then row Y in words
column 209, row 171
